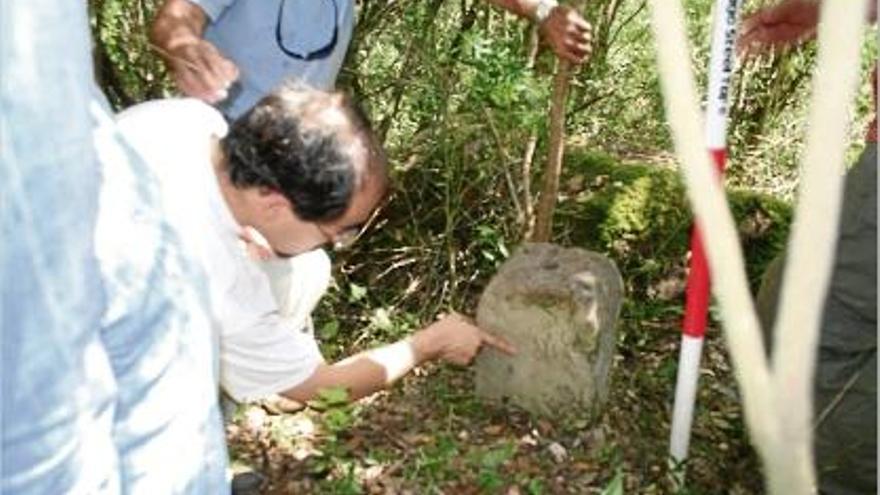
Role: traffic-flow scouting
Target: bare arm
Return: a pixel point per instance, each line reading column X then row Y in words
column 198, row 68
column 453, row 339
column 564, row 29
column 522, row 8
column 784, row 24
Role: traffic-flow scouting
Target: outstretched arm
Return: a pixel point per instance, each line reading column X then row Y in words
column 197, row 66
column 785, row 24
column 453, row 339
column 565, row 30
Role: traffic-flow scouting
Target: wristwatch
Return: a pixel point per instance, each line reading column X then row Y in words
column 542, row 10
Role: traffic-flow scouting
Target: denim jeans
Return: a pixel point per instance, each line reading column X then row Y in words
column 107, row 354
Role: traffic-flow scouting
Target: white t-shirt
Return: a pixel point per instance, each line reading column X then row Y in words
column 262, row 351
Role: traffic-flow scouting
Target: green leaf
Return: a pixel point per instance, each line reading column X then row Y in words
column 357, row 292
column 496, row 457
column 502, row 248
column 329, row 330
column 535, row 487
column 381, row 319
column 490, row 479
column 616, row 485
column 333, row 396
column 337, row 419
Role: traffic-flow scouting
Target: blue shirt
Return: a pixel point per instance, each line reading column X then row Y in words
column 255, row 34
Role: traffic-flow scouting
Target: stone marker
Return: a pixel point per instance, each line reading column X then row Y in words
column 559, row 307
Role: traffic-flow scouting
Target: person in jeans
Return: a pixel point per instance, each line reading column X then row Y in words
column 108, row 357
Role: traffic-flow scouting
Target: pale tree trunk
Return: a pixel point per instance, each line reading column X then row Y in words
column 527, row 222
column 819, row 200
column 777, row 401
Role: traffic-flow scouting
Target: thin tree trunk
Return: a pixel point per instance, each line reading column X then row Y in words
column 547, row 201
column 528, row 219
column 527, row 222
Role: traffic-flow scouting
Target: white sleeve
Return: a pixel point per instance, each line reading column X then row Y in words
column 298, row 283
column 151, row 125
column 267, row 346
column 266, row 359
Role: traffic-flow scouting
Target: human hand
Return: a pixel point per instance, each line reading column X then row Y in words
column 569, row 34
column 201, row 71
column 783, row 25
column 456, row 339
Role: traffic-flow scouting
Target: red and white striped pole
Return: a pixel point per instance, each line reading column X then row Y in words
column 721, row 64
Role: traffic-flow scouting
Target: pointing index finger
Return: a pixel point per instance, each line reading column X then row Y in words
column 498, row 343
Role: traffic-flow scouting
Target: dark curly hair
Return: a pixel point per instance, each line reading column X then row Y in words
column 274, row 146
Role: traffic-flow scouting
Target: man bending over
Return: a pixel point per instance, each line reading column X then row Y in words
column 301, row 169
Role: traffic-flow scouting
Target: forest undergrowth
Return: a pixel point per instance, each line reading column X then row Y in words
column 456, row 99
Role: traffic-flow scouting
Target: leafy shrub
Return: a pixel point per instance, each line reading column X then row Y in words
column 640, row 216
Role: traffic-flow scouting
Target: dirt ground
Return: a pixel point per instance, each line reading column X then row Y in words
column 431, row 435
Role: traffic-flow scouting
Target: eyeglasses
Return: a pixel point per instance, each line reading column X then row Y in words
column 344, row 239
column 320, row 53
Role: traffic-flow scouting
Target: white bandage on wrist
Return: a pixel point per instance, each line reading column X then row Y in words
column 542, row 10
